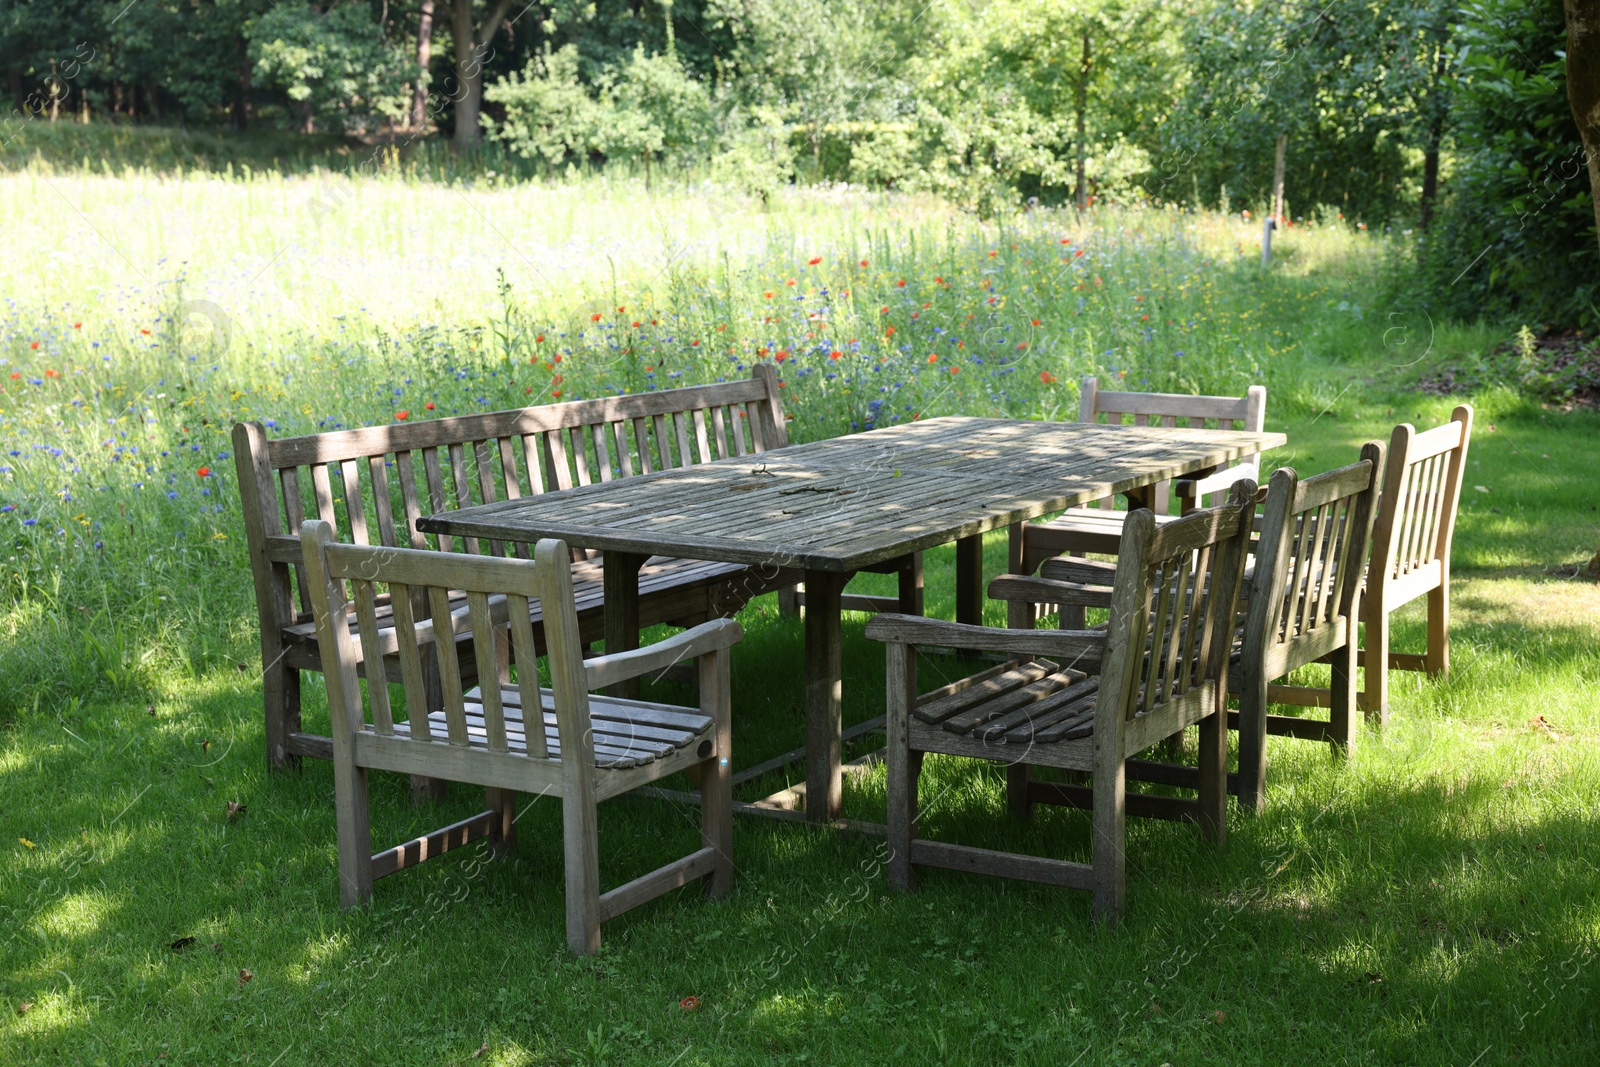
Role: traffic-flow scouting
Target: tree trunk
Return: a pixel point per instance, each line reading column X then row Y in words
column 1081, row 195
column 1430, row 146
column 1583, row 94
column 240, row 119
column 472, row 52
column 55, row 92
column 1280, row 153
column 419, row 95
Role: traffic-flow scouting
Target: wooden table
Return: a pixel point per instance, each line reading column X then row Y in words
column 832, row 508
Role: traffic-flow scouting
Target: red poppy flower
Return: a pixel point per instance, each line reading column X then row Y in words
column 145, row 332
column 402, row 415
column 15, row 375
column 783, row 354
column 933, row 357
column 955, row 370
column 888, row 331
column 428, row 405
column 863, row 263
column 813, row 261
column 35, row 345
column 694, row 344
column 79, row 325
column 635, row 324
column 1036, row 322
column 52, row 374
column 622, row 309
column 789, row 282
column 556, row 393
column 1078, row 253
column 595, row 317
column 767, row 294
column 204, row 472
column 1046, row 377
column 835, row 354
column 556, row 379
column 539, row 340
column 901, row 283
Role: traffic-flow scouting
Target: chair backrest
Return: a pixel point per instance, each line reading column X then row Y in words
column 348, row 579
column 1174, row 603
column 1248, row 412
column 1421, row 495
column 1311, row 562
column 372, row 484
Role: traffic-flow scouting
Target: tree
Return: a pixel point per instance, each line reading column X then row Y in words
column 1583, row 95
column 472, row 52
column 335, row 66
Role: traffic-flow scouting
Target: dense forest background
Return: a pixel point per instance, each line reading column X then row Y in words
column 1443, row 116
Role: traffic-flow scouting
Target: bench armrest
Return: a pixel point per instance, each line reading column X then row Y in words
column 1074, row 648
column 1015, row 587
column 691, row 644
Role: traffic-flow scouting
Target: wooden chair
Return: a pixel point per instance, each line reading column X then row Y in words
column 1083, row 700
column 1416, row 520
column 371, row 484
column 1098, row 527
column 585, row 749
column 1304, row 598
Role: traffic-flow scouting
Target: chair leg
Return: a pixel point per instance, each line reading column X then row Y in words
column 354, row 822
column 580, row 831
column 503, row 832
column 1214, row 775
column 280, row 690
column 1375, row 698
column 1438, row 658
column 788, row 602
column 1072, row 615
column 1018, row 775
column 715, row 775
column 902, row 764
column 1110, row 877
column 1252, row 741
column 1342, row 700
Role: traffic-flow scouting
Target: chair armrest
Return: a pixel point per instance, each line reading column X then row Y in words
column 1074, row 648
column 1196, row 488
column 1016, row 587
column 1079, row 571
column 691, row 644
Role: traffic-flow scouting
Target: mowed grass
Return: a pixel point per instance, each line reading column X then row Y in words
column 1432, row 899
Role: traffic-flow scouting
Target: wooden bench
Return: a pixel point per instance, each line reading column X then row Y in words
column 372, row 484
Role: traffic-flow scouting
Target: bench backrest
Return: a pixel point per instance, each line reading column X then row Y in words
column 346, row 578
column 1310, row 563
column 1421, row 495
column 1248, row 412
column 1174, row 605
column 372, row 484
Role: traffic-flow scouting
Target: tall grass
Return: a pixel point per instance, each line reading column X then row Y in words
column 150, row 312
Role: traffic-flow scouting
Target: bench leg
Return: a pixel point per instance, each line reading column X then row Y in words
column 503, row 831
column 789, row 602
column 1438, row 659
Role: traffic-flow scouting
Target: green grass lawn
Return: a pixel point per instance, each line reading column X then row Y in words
column 1433, row 899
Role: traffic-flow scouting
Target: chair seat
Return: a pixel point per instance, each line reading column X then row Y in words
column 627, row 733
column 660, row 577
column 1036, row 702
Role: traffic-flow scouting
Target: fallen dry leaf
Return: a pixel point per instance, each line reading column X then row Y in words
column 182, row 943
column 1219, row 1017
column 216, row 946
column 25, row 1007
column 25, row 841
column 481, row 1050
column 690, row 1003
column 235, row 809
column 245, row 974
column 1539, row 722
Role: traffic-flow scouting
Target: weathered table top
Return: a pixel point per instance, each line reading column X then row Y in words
column 849, row 502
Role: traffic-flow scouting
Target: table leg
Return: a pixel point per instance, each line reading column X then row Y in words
column 1142, row 497
column 969, row 580
column 823, row 690
column 621, row 583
